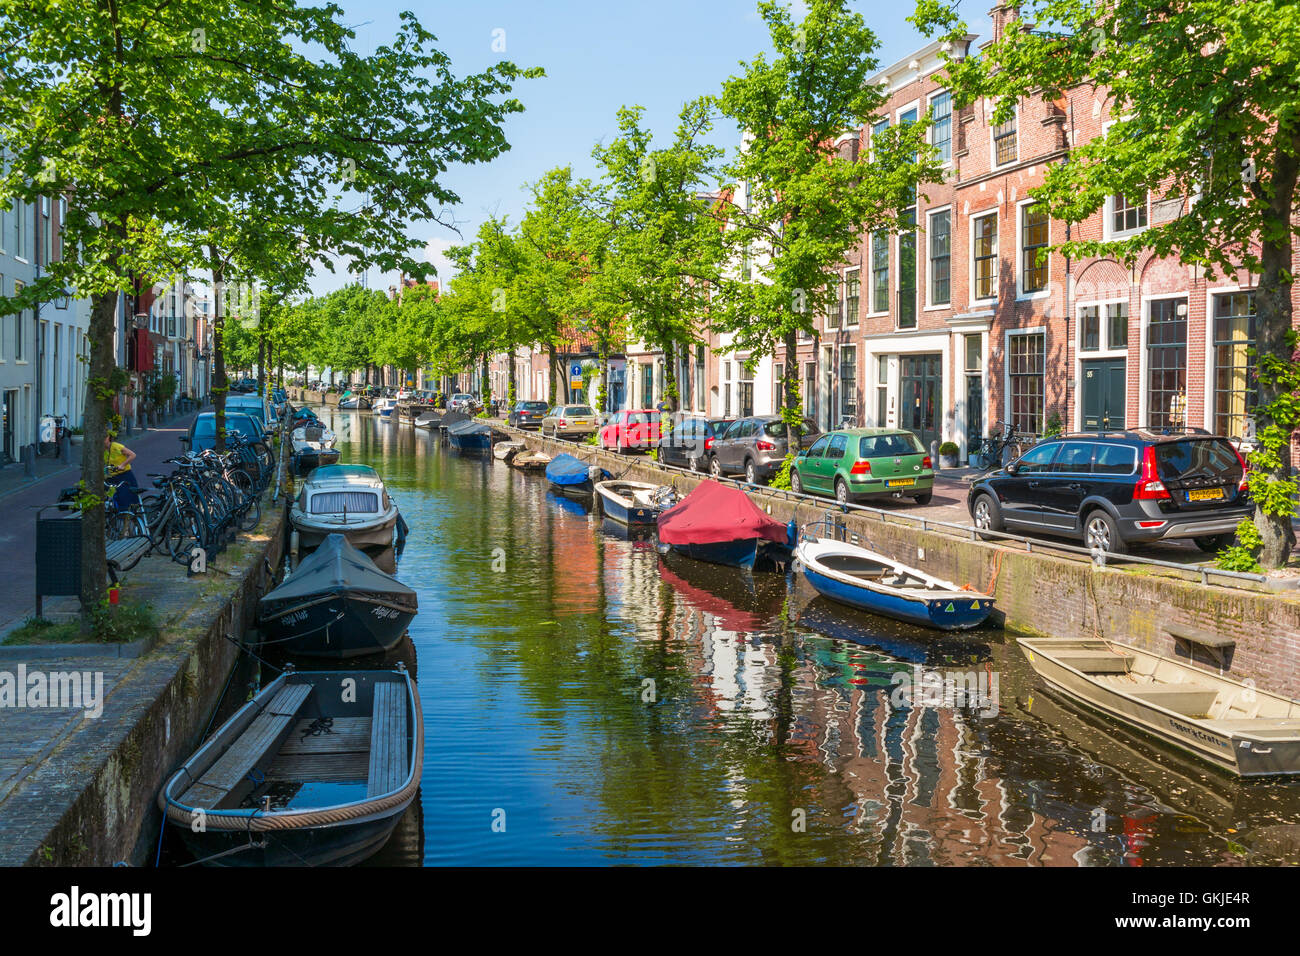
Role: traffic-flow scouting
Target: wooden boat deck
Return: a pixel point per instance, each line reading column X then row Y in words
column 227, row 778
column 387, row 770
column 338, row 755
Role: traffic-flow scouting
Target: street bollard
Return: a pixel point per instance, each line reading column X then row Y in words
column 934, row 455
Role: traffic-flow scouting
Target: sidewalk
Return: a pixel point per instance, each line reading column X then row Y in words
column 20, row 496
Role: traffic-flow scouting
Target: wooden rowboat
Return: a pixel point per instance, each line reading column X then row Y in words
column 504, row 451
column 1236, row 727
column 874, row 582
column 531, row 461
column 315, row 770
column 634, row 502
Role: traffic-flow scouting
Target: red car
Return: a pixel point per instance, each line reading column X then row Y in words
column 631, row 428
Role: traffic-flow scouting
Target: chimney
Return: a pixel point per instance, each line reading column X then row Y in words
column 1003, row 14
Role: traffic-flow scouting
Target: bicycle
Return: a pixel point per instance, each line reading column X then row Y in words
column 1004, row 444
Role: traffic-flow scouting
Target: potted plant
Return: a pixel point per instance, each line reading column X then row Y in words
column 948, row 452
column 75, row 434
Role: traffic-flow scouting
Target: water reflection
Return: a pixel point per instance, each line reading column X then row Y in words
column 601, row 703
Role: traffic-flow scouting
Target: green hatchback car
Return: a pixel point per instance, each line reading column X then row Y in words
column 857, row 463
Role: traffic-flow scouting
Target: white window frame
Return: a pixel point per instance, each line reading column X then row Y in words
column 844, row 278
column 1144, row 324
column 1108, row 352
column 1210, row 368
column 1007, row 336
column 1109, row 232
column 993, row 149
column 952, row 123
column 994, row 211
column 931, row 306
column 872, row 312
column 1021, row 294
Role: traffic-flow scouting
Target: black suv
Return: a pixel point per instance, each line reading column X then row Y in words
column 527, row 414
column 1116, row 489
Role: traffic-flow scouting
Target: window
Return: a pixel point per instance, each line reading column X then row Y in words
column 941, row 125
column 819, row 446
column 726, row 389
column 986, row 256
column 880, row 271
column 1127, row 216
column 877, row 130
column 1004, row 142
column 745, row 396
column 1075, row 458
column 20, row 319
column 1234, row 368
column 974, row 367
column 941, row 257
column 1117, row 322
column 889, row 446
column 778, row 384
column 852, row 295
column 1167, row 364
column 1033, row 237
column 1038, row 459
column 835, row 450
column 810, row 389
column 907, row 273
column 833, row 313
column 1026, row 363
column 1115, row 460
column 849, row 382
column 1089, row 328
column 647, row 384
column 21, row 229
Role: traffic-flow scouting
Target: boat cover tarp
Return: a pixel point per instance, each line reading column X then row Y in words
column 334, row 567
column 713, row 513
column 451, row 418
column 468, row 427
column 564, row 469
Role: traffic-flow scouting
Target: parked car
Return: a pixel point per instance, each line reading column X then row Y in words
column 569, row 421
column 254, row 406
column 460, row 402
column 1116, row 489
column 689, row 441
column 203, row 430
column 756, row 446
column 855, row 464
column 527, row 414
column 630, row 428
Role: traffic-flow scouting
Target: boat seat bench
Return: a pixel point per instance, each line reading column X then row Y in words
column 228, row 775
column 1096, row 662
column 1187, row 700
column 387, row 739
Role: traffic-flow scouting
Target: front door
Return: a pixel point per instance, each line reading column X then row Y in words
column 920, row 395
column 1104, row 395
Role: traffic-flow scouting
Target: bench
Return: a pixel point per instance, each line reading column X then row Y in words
column 1217, row 647
column 226, row 781
column 125, row 553
column 1096, row 662
column 1190, row 701
column 388, row 744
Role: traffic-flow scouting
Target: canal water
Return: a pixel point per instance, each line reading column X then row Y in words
column 588, row 701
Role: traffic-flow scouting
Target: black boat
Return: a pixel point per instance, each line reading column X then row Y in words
column 337, row 604
column 316, row 770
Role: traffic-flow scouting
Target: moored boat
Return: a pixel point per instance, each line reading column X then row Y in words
column 337, row 604
column 348, row 499
column 634, row 502
column 873, row 582
column 470, row 436
column 353, row 402
column 315, row 770
column 719, row 524
column 573, row 475
column 506, row 450
column 430, row 419
column 312, row 445
column 1227, row 722
column 531, row 461
column 383, row 407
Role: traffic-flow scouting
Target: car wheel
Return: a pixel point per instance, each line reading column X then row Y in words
column 1100, row 531
column 715, row 467
column 924, row 499
column 751, row 472
column 986, row 515
column 841, row 491
column 1214, row 543
column 796, row 483
column 695, row 464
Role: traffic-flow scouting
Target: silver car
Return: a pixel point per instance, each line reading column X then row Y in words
column 569, row 421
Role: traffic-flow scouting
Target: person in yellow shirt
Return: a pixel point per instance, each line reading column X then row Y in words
column 118, row 458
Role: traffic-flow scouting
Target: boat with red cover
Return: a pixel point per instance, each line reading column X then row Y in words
column 719, row 524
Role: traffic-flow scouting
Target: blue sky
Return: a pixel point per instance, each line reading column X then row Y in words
column 598, row 56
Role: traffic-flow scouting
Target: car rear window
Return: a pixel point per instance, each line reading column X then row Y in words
column 207, row 427
column 535, row 406
column 881, row 446
column 638, row 418
column 579, row 410
column 1196, row 458
column 1115, row 460
column 777, row 428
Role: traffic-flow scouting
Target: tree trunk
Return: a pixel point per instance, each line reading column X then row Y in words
column 485, row 384
column 1276, row 338
column 99, row 403
column 791, row 410
column 550, row 357
column 670, row 377
column 513, row 384
column 261, row 363
column 218, row 351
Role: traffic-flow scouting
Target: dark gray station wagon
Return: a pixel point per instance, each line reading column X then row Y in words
column 1115, row 489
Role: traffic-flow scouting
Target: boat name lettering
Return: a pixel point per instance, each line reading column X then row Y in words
column 1198, row 734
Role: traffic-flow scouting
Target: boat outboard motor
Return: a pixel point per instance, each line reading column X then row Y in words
column 596, row 473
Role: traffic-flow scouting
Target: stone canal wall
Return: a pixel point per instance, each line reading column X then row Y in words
column 94, row 799
column 303, row 396
column 1050, row 595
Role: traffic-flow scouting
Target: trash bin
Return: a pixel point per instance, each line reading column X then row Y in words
column 58, row 554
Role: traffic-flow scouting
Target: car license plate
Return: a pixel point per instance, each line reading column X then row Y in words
column 899, row 482
column 1205, row 494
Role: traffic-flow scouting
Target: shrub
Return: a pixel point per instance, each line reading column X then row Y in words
column 949, row 448
column 1244, row 555
column 782, row 477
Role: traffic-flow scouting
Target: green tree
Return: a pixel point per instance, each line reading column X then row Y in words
column 806, row 205
column 1206, row 109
